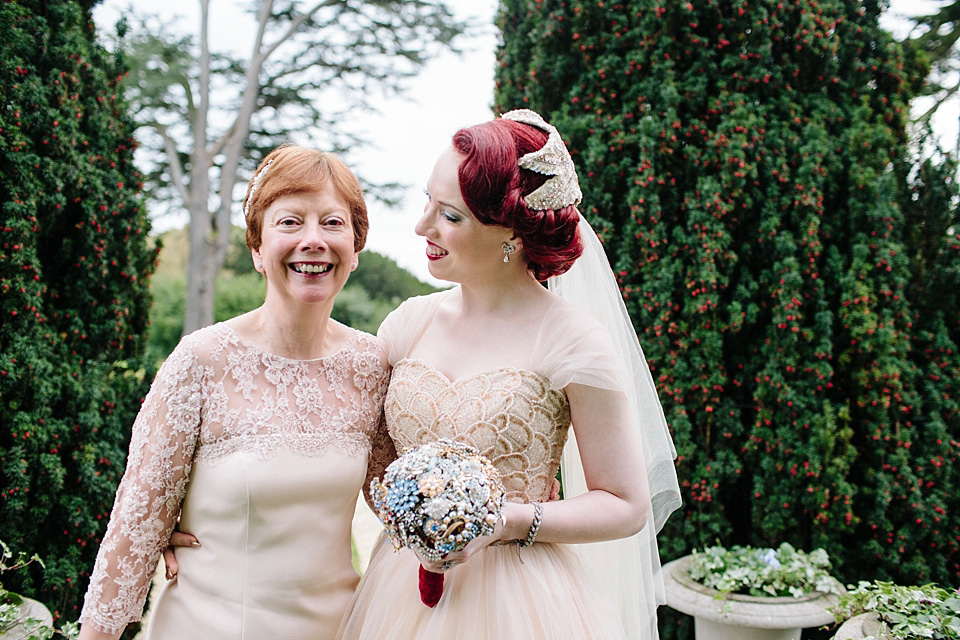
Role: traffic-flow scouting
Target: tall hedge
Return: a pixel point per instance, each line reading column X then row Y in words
column 74, row 263
column 791, row 265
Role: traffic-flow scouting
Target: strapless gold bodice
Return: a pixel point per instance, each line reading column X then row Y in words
column 512, row 416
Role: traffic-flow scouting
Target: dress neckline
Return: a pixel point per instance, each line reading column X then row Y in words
column 477, row 374
column 347, row 344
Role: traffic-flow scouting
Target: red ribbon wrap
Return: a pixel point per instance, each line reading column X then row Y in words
column 431, row 587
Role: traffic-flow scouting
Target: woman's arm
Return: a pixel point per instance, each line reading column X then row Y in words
column 617, row 503
column 382, row 453
column 148, row 499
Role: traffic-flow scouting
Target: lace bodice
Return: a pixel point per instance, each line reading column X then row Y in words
column 517, row 416
column 514, row 417
column 215, row 396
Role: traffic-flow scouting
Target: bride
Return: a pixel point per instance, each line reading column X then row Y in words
column 504, row 364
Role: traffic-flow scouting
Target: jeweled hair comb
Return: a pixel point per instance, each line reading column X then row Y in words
column 553, row 160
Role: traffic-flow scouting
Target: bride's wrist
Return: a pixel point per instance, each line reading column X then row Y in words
column 519, row 518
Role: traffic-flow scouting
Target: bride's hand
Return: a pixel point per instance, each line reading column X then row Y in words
column 513, row 513
column 177, row 539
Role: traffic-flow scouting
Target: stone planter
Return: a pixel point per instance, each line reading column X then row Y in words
column 29, row 609
column 861, row 626
column 739, row 617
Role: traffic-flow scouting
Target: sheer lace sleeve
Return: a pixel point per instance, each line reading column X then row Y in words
column 149, row 496
column 382, row 453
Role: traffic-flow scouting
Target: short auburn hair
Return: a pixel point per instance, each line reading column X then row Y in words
column 493, row 187
column 296, row 169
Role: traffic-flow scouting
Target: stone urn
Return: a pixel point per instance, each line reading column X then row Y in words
column 861, row 626
column 29, row 609
column 741, row 617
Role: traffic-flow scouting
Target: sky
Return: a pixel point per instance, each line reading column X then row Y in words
column 409, row 133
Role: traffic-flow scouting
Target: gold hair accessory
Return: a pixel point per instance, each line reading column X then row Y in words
column 253, row 187
column 554, row 160
column 507, row 250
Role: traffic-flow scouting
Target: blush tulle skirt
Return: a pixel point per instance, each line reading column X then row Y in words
column 540, row 592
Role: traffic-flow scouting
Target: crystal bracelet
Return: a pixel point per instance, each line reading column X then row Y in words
column 534, row 526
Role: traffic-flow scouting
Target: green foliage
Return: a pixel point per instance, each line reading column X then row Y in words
column 384, row 280
column 13, row 619
column 926, row 611
column 74, row 264
column 934, row 41
column 355, row 307
column 779, row 572
column 788, row 263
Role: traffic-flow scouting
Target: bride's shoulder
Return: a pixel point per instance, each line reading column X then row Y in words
column 562, row 316
column 416, row 307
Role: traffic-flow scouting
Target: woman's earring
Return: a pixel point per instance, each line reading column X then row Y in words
column 507, row 250
column 258, row 265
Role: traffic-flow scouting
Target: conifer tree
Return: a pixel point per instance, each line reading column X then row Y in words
column 74, row 263
column 788, row 265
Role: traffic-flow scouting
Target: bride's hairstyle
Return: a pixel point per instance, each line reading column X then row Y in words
column 291, row 169
column 493, row 186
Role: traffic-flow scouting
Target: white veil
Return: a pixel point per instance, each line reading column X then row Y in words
column 629, row 568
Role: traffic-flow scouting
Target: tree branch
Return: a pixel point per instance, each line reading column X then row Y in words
column 295, row 24
column 170, row 148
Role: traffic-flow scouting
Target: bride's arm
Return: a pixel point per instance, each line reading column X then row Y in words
column 617, row 503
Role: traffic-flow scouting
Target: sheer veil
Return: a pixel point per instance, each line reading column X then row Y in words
column 628, row 568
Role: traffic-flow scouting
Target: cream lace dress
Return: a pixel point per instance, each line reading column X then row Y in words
column 261, row 457
column 518, row 417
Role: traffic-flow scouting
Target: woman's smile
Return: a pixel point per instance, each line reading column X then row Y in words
column 435, row 252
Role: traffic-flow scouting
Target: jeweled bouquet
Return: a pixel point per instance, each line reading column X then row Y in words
column 436, row 498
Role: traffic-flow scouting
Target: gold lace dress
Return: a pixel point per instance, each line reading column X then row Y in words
column 518, row 418
column 261, row 457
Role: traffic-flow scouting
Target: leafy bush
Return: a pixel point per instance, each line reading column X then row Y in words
column 74, row 264
column 926, row 611
column 11, row 604
column 790, row 263
column 763, row 572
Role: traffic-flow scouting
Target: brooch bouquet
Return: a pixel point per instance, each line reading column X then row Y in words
column 434, row 499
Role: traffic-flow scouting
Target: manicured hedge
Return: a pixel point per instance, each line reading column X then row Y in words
column 790, row 261
column 74, row 263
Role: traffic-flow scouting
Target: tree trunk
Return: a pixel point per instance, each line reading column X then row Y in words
column 202, row 269
column 202, row 266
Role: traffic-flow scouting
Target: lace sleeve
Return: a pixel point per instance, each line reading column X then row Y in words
column 382, row 453
column 149, row 496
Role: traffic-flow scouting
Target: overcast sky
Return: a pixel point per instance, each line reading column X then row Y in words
column 408, row 134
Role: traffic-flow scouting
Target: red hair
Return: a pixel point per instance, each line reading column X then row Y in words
column 493, row 187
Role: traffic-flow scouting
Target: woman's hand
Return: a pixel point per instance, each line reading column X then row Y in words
column 514, row 526
column 177, row 539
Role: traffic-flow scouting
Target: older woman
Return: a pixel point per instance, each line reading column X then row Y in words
column 256, row 435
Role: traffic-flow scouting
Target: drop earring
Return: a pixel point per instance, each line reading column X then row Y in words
column 507, row 250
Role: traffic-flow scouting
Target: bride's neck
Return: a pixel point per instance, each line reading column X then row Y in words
column 500, row 296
